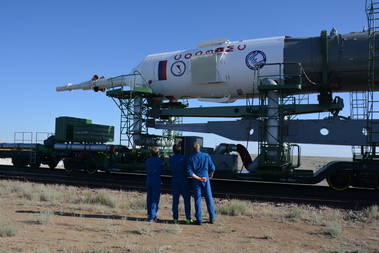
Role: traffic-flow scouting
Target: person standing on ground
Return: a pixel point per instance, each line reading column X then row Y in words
column 179, row 183
column 154, row 169
column 201, row 168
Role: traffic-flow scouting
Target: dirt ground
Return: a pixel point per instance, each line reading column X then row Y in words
column 54, row 219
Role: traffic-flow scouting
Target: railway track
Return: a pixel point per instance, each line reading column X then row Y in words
column 232, row 189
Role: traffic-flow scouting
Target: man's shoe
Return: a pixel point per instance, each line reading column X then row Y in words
column 175, row 221
column 189, row 221
column 197, row 222
column 212, row 221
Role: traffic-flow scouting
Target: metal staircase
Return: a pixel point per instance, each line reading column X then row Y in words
column 135, row 104
column 358, row 111
column 133, row 112
column 364, row 104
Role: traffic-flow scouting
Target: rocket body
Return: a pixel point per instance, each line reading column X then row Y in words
column 222, row 71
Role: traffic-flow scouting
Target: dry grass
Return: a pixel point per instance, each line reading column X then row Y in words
column 267, row 233
column 7, row 229
column 45, row 217
column 110, row 210
column 235, row 208
column 371, row 212
column 108, row 201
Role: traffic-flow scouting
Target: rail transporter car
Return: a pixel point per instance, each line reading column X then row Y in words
column 81, row 146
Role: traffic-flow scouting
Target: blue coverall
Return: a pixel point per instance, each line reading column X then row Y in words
column 180, row 185
column 154, row 169
column 201, row 164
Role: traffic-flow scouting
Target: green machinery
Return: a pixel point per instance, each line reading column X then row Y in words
column 80, row 144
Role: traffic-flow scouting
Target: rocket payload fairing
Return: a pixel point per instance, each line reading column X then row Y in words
column 220, row 70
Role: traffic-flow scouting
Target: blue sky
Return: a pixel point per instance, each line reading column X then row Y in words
column 45, row 44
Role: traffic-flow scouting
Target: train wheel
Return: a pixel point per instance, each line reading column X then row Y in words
column 68, row 166
column 35, row 165
column 53, row 164
column 91, row 169
column 339, row 180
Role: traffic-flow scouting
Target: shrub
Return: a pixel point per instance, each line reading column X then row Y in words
column 45, row 217
column 296, row 213
column 7, row 188
column 7, row 229
column 143, row 228
column 270, row 211
column 100, row 198
column 138, row 204
column 333, row 228
column 267, row 233
column 234, row 208
column 48, row 194
column 172, row 229
column 371, row 212
column 40, row 193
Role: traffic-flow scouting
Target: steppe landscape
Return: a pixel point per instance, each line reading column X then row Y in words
column 58, row 218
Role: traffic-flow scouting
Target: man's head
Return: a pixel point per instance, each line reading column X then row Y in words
column 177, row 148
column 154, row 151
column 195, row 147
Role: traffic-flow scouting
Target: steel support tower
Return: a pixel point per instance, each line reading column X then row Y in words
column 372, row 11
column 135, row 105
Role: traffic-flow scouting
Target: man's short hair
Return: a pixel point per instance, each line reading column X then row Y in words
column 154, row 151
column 195, row 147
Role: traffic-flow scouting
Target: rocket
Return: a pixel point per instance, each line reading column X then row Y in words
column 220, row 70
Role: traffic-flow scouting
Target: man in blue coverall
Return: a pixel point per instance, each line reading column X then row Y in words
column 201, row 168
column 179, row 184
column 154, row 169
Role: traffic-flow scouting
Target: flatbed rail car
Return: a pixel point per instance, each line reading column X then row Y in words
column 85, row 157
column 79, row 144
column 32, row 154
column 91, row 158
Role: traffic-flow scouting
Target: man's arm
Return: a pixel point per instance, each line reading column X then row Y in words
column 202, row 179
column 211, row 167
column 211, row 174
